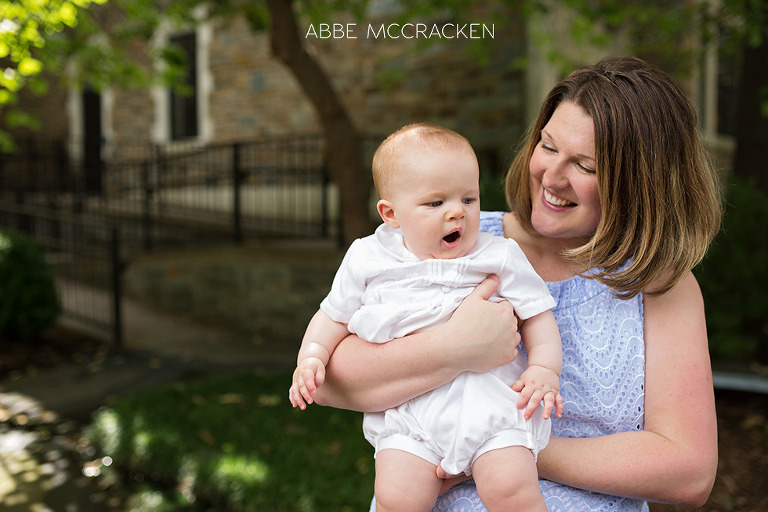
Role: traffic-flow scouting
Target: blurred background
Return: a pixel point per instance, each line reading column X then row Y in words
column 211, row 160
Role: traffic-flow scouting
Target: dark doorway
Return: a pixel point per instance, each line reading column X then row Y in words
column 92, row 138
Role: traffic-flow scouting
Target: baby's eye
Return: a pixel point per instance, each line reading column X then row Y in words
column 435, row 204
column 469, row 200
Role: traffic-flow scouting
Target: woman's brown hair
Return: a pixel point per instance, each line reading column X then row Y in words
column 659, row 194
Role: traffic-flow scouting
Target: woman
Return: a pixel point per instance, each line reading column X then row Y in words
column 613, row 202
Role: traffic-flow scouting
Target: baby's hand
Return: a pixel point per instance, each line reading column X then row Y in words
column 307, row 378
column 538, row 384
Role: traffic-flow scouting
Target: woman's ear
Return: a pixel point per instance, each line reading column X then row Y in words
column 387, row 213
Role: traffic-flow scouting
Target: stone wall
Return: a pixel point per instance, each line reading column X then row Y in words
column 49, row 109
column 255, row 289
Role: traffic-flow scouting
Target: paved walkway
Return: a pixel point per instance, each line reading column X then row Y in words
column 40, row 414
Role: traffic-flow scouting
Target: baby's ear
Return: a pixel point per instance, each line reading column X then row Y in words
column 387, row 213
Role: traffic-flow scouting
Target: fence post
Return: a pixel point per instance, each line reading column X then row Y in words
column 57, row 187
column 23, row 219
column 162, row 170
column 324, row 215
column 117, row 291
column 146, row 213
column 325, row 220
column 237, row 181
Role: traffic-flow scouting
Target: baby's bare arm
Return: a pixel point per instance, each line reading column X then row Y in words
column 320, row 340
column 541, row 380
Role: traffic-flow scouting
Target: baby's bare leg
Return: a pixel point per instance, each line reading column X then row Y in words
column 506, row 479
column 404, row 482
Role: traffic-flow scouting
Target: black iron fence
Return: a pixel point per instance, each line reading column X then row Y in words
column 255, row 189
column 139, row 196
column 274, row 187
column 86, row 257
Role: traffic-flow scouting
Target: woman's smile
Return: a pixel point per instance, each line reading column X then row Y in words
column 556, row 201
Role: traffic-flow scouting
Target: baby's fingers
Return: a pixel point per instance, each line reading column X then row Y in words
column 525, row 393
column 306, row 380
column 300, row 391
column 549, row 404
column 295, row 397
column 533, row 403
column 306, row 390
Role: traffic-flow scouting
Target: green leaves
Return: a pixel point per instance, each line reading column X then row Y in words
column 29, row 44
column 30, row 66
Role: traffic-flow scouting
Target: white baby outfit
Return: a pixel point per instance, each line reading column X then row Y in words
column 382, row 291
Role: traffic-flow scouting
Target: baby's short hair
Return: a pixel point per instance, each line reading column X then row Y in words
column 410, row 139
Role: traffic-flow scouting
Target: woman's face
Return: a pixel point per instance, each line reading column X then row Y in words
column 564, row 195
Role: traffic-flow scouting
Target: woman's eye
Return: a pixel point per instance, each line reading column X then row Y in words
column 586, row 169
column 547, row 148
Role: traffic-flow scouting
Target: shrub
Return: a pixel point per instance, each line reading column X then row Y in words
column 734, row 277
column 28, row 300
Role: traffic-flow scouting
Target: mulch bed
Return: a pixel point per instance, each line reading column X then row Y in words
column 742, row 480
column 54, row 346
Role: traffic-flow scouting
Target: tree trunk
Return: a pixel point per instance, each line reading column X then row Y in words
column 343, row 144
column 752, row 123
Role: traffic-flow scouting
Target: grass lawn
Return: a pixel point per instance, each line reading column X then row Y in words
column 236, row 442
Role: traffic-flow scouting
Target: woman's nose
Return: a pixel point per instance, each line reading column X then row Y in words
column 554, row 176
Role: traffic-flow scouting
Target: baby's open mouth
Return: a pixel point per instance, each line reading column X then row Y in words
column 452, row 237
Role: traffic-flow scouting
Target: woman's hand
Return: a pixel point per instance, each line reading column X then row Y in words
column 449, row 481
column 481, row 334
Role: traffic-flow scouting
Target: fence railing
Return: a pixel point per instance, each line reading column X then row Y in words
column 264, row 188
column 267, row 188
column 86, row 257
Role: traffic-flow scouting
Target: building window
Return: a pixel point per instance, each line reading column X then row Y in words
column 183, row 115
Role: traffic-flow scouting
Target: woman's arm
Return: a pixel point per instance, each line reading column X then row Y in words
column 674, row 459
column 364, row 376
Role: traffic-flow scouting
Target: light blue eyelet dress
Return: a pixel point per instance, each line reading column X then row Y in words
column 602, row 382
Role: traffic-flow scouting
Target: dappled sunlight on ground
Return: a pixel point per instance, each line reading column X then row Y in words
column 40, row 464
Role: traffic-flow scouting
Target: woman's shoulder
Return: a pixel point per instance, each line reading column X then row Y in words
column 685, row 293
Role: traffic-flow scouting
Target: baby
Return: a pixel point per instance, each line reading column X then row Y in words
column 410, row 276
